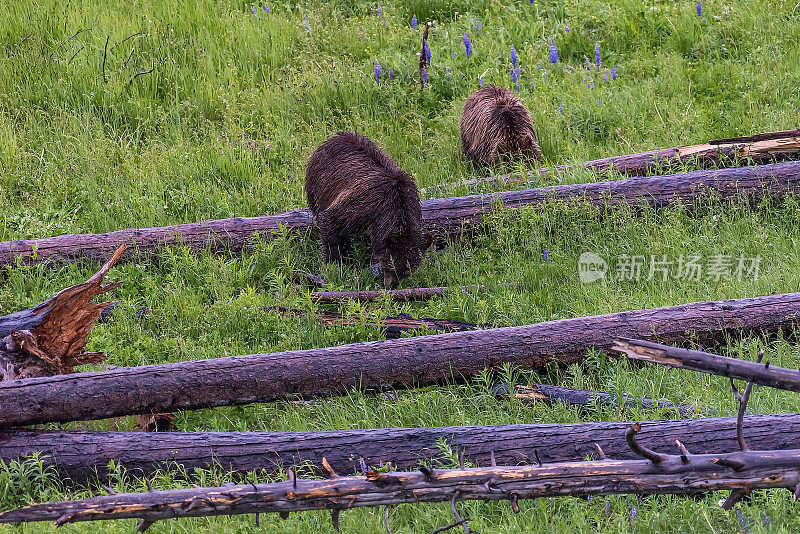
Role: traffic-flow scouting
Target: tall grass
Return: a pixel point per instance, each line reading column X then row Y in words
column 92, row 140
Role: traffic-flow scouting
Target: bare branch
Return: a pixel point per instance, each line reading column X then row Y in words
column 386, row 519
column 105, row 53
column 644, row 452
column 14, row 52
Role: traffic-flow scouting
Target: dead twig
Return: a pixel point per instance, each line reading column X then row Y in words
column 105, row 53
column 14, row 52
column 68, row 40
column 141, row 74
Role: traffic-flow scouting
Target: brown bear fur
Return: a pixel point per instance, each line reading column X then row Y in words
column 354, row 187
column 496, row 125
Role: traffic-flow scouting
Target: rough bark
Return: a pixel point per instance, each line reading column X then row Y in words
column 414, row 293
column 404, row 362
column 392, row 327
column 762, row 148
column 784, row 134
column 443, row 217
column 762, row 374
column 83, row 457
column 581, row 397
column 662, row 474
column 49, row 339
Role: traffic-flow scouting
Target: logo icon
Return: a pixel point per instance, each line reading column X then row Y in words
column 591, row 267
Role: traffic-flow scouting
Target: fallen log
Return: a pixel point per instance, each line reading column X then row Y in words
column 656, row 473
column 392, row 326
column 49, row 338
column 582, row 397
column 762, row 374
column 443, row 217
column 83, row 457
column 784, row 134
column 394, row 363
column 414, row 293
column 761, row 148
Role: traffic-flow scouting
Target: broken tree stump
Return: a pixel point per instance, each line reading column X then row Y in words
column 444, row 217
column 654, row 473
column 396, row 363
column 82, row 457
column 49, row 339
column 762, row 374
column 761, row 148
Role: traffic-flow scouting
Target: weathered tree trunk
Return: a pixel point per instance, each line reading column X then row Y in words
column 49, row 339
column 83, row 456
column 767, row 147
column 443, row 216
column 414, row 293
column 582, row 397
column 763, row 374
column 664, row 473
column 393, row 363
column 392, row 326
column 785, row 135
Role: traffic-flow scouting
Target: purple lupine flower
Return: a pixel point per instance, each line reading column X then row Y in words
column 742, row 522
column 517, row 89
column 590, row 81
column 380, row 11
column 545, row 255
column 586, row 64
column 699, row 9
column 561, row 110
column 544, row 70
column 307, row 24
column 427, row 50
column 390, row 73
column 414, row 21
column 553, row 52
column 766, row 520
column 566, row 26
column 377, row 71
column 613, row 73
column 597, row 60
column 254, row 9
column 480, row 81
column 362, row 465
column 467, row 45
column 515, row 72
column 513, row 55
column 424, row 75
column 633, row 513
column 452, row 55
column 478, row 25
column 605, row 76
column 599, row 102
column 448, row 72
column 266, row 9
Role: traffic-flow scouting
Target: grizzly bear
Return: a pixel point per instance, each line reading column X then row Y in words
column 495, row 125
column 354, row 187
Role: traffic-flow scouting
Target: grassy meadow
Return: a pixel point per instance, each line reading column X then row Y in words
column 150, row 113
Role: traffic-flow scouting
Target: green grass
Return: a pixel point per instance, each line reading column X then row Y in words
column 82, row 154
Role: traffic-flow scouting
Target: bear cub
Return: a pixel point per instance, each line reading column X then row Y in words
column 496, row 125
column 354, row 187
